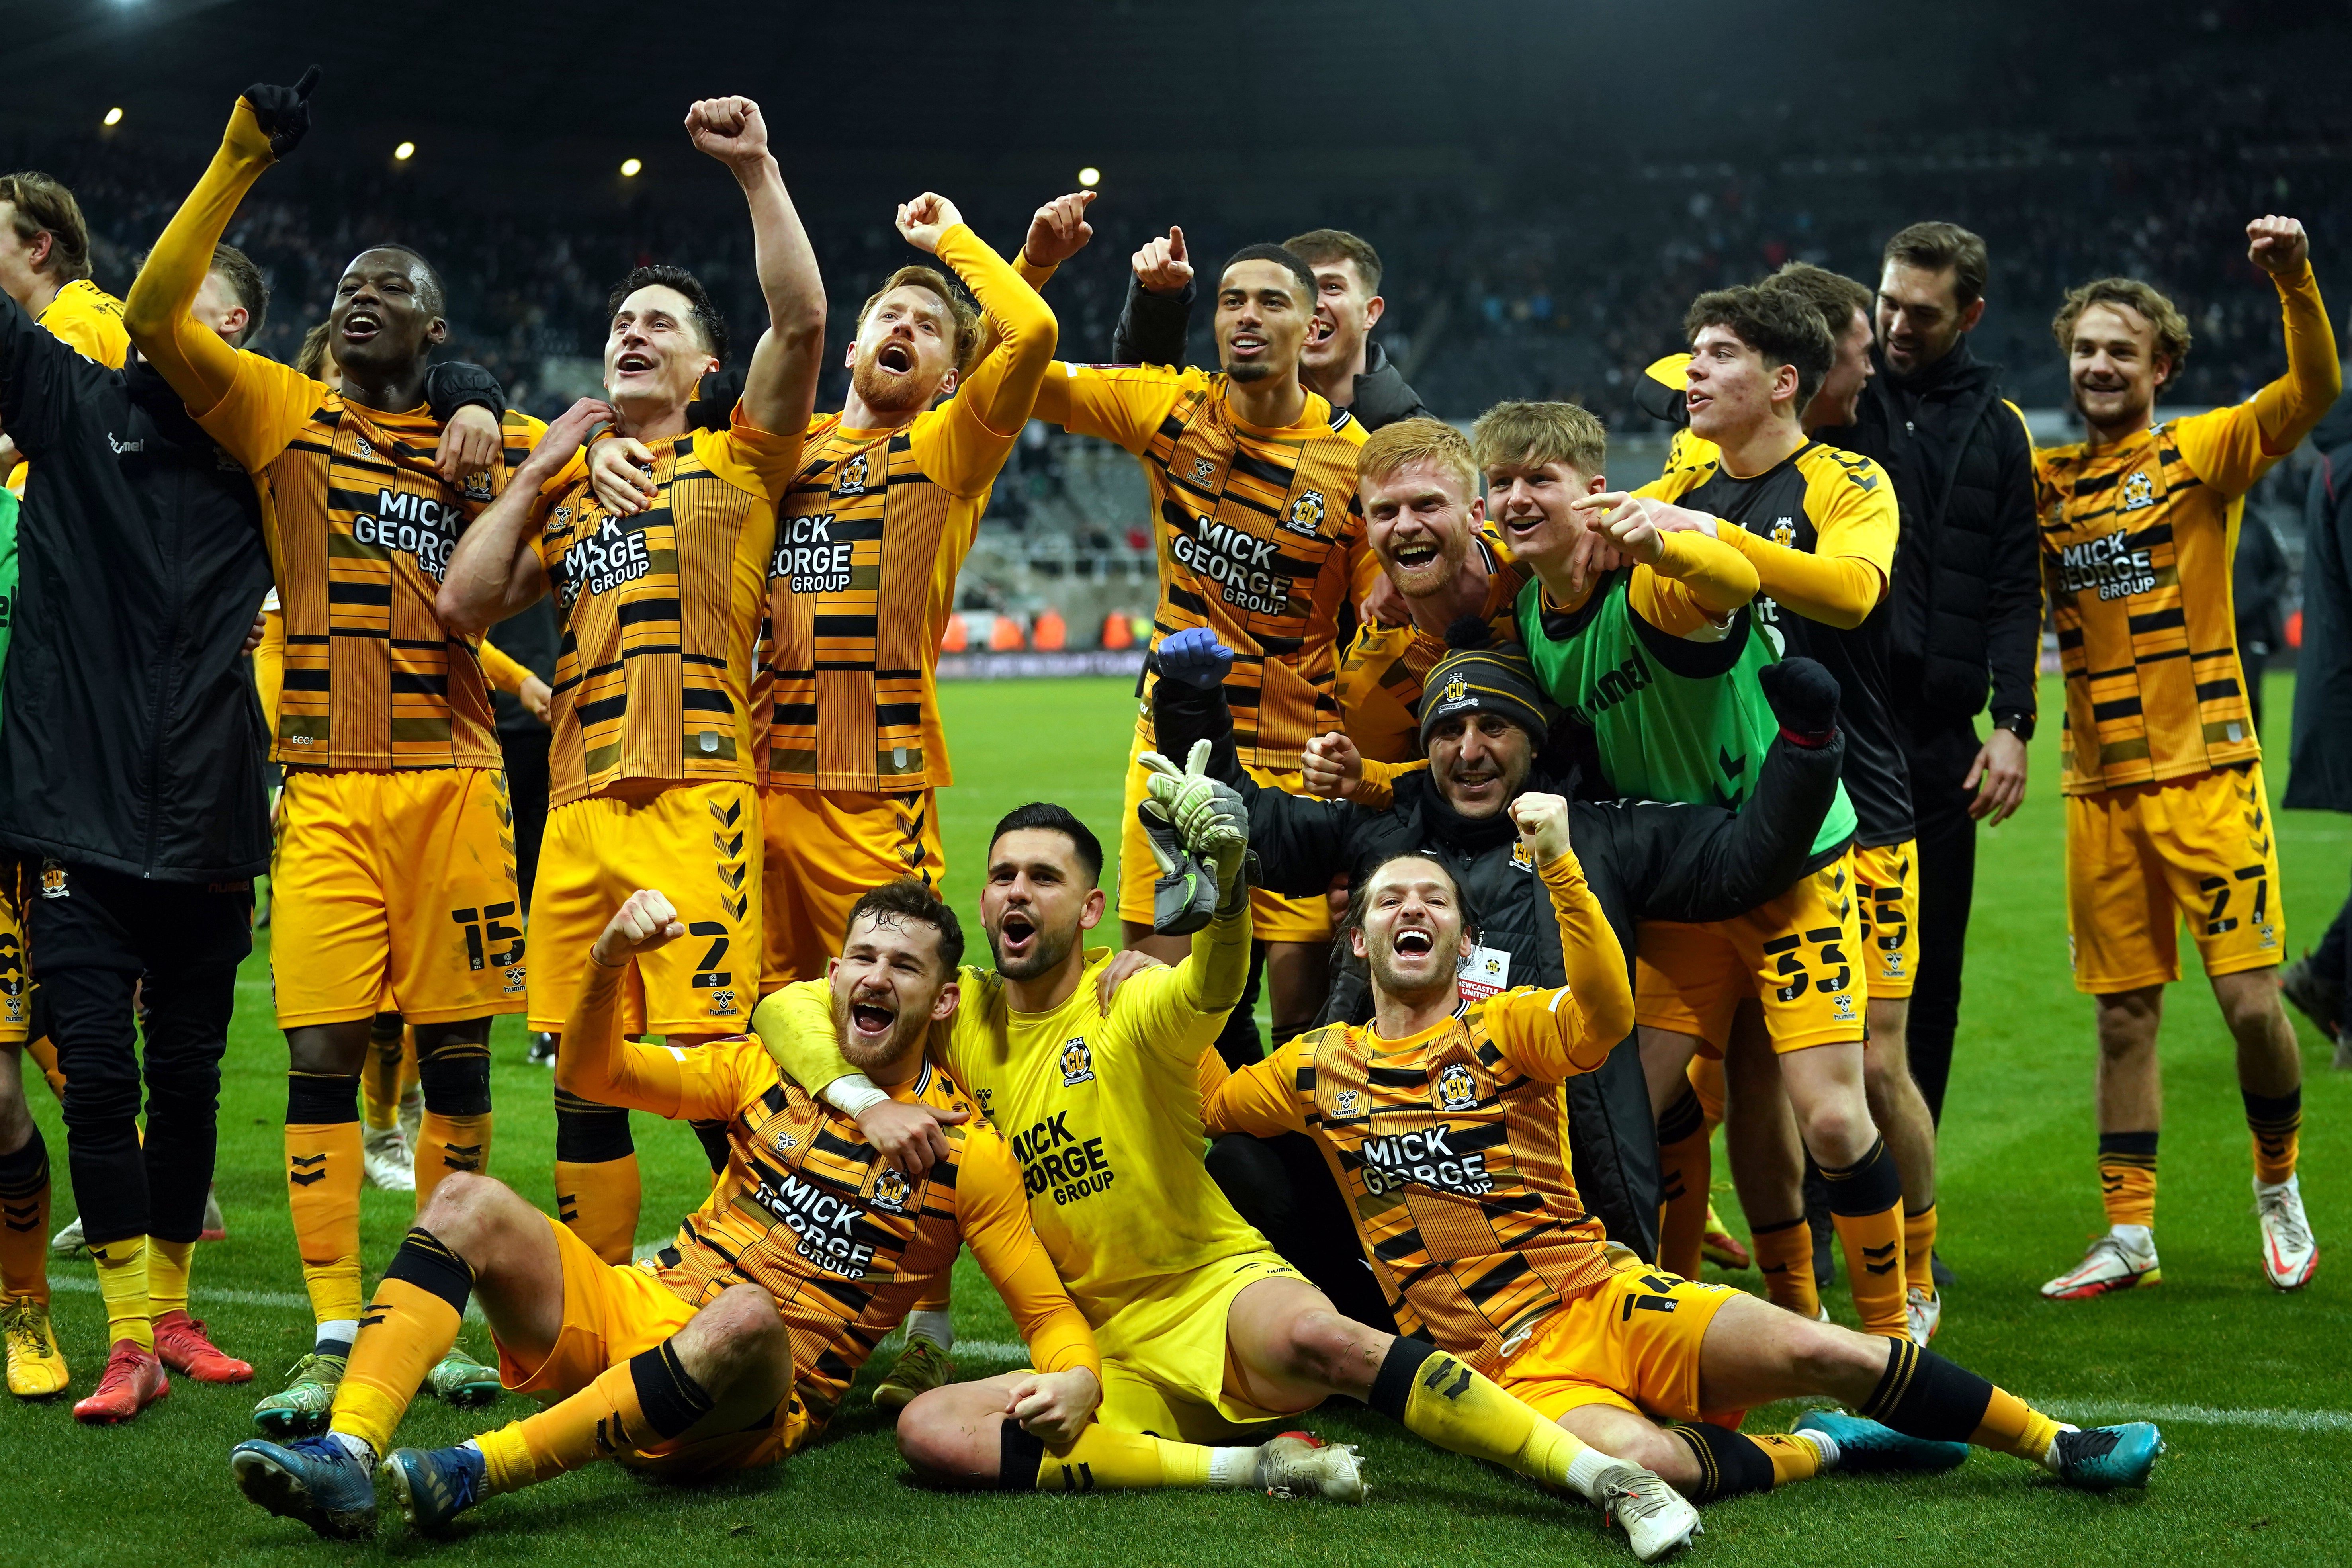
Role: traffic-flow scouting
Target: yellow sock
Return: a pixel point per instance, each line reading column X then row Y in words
column 167, row 1274
column 1794, row 1458
column 1919, row 1249
column 1103, row 1459
column 123, row 1285
column 322, row 1188
column 1784, row 1256
column 1437, row 1397
column 447, row 1143
column 2013, row 1427
column 380, row 1073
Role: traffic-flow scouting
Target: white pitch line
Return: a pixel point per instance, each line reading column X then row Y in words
column 1012, row 1350
column 284, row 1300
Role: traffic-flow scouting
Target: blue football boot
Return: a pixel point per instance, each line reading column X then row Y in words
column 1866, row 1446
column 435, row 1485
column 314, row 1479
column 2102, row 1457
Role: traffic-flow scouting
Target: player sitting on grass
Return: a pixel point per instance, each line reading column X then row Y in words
column 1442, row 1123
column 1208, row 1336
column 735, row 1345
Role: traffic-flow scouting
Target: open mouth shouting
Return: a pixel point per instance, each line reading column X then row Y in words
column 1412, row 554
column 871, row 1019
column 361, row 324
column 1016, row 939
column 1522, row 527
column 1413, row 941
column 1324, row 328
column 633, row 362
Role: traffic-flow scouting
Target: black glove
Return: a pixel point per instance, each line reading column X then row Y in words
column 283, row 112
column 453, row 383
column 1804, row 697
column 713, row 407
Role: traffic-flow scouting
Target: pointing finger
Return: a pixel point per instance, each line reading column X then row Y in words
column 303, row 88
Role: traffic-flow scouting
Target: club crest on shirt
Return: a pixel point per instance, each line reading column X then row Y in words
column 1346, row 1102
column 1456, row 1089
column 1784, row 532
column 1077, row 1062
column 2138, row 493
column 891, row 1190
column 1520, row 858
column 1306, row 513
column 53, row 881
column 851, row 480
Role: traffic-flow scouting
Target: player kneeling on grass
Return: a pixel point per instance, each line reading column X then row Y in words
column 1444, row 1125
column 737, row 1342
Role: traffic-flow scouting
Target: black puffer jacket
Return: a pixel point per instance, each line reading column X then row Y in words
column 2320, row 776
column 1152, row 328
column 1968, row 573
column 1642, row 859
column 130, row 739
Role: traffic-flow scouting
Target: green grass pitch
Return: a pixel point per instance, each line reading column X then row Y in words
column 2250, row 1385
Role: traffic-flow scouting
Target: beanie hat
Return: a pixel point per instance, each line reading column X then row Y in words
column 1478, row 677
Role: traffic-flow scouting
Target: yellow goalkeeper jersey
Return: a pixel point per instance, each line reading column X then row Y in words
column 1103, row 1115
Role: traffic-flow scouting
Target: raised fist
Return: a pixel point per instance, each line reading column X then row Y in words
column 728, row 129
column 2277, row 244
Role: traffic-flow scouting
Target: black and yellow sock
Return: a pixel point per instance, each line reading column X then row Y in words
column 2127, row 1177
column 1730, row 1463
column 1784, row 1256
column 24, row 1220
column 455, row 1132
column 2276, row 1121
column 1102, row 1460
column 1923, row 1395
column 1866, row 1207
column 647, row 1399
column 410, row 1324
column 1684, row 1171
column 323, row 1188
column 596, row 1188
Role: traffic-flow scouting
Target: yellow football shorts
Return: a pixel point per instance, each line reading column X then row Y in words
column 1164, row 1362
column 613, row 1311
column 825, row 851
column 1800, row 954
column 1272, row 918
column 2139, row 860
column 399, row 884
column 1886, row 880
column 1632, row 1341
column 15, row 983
column 699, row 844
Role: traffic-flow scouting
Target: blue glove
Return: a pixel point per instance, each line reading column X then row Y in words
column 1196, row 657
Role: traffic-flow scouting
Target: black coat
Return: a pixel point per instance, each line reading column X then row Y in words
column 1152, row 328
column 1642, row 859
column 130, row 735
column 2319, row 776
column 1968, row 571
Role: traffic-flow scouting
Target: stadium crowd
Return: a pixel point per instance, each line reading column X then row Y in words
column 1558, row 825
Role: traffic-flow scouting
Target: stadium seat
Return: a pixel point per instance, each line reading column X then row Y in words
column 1050, row 635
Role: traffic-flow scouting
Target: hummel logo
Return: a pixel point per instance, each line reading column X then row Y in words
column 305, row 1169
column 1886, row 1252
